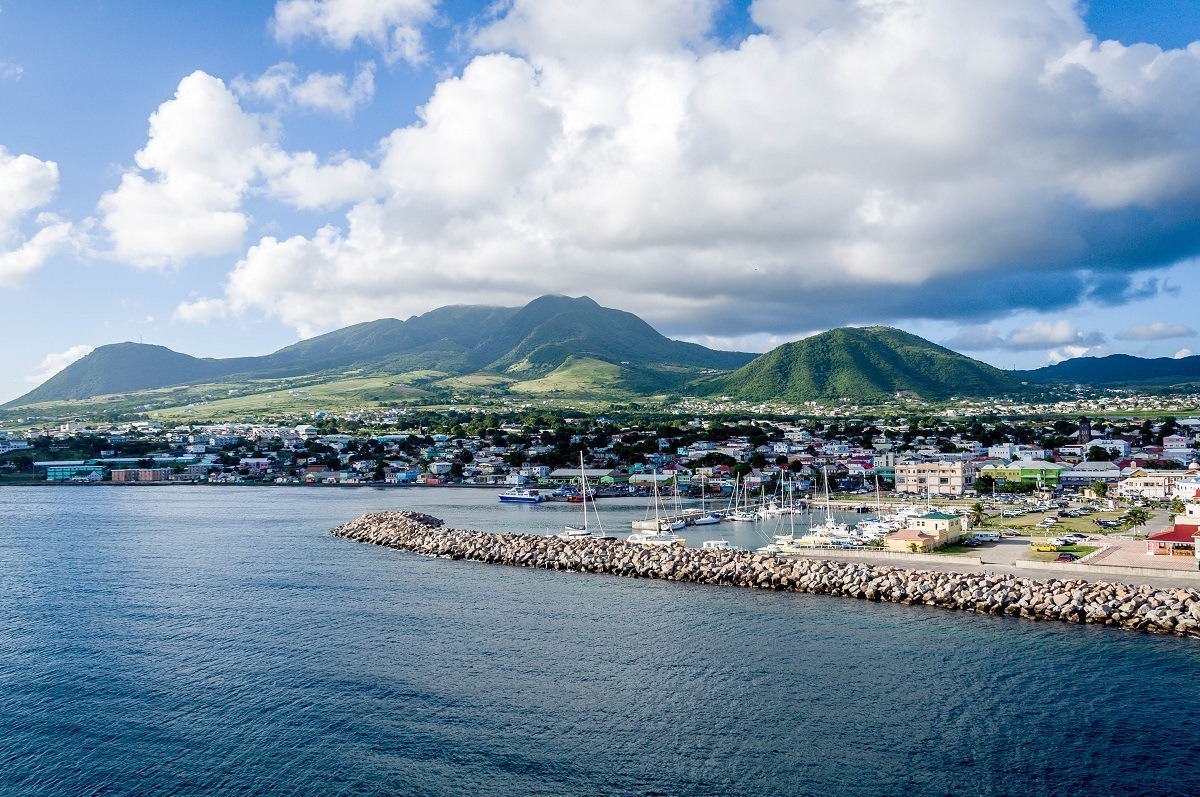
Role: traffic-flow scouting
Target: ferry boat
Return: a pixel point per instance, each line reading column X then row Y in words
column 521, row 495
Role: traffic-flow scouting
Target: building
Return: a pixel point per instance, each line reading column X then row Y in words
column 910, row 541
column 934, row 478
column 141, row 475
column 1182, row 538
column 1154, row 485
column 65, row 471
column 1117, row 448
column 1025, row 471
column 1085, row 474
column 948, row 529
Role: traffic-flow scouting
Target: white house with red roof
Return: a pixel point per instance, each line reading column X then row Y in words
column 1182, row 538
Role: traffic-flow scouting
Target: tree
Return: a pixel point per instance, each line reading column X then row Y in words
column 1100, row 489
column 1135, row 517
column 978, row 514
column 1177, row 506
column 1098, row 454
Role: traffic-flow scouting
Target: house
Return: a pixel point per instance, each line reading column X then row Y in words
column 1181, row 539
column 910, row 541
column 947, row 528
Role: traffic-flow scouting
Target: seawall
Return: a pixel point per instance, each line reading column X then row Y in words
column 1140, row 608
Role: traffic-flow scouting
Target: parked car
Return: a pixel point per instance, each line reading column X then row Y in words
column 1066, row 557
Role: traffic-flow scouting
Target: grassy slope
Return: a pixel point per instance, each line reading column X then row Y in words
column 861, row 364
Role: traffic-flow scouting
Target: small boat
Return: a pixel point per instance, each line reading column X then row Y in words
column 717, row 545
column 521, row 495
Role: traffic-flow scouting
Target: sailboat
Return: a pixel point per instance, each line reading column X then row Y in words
column 658, row 522
column 831, row 532
column 662, row 530
column 741, row 513
column 582, row 532
column 706, row 517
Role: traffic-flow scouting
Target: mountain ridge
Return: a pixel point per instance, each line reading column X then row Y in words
column 457, row 340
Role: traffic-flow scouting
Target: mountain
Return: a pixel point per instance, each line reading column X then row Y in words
column 528, row 343
column 861, row 364
column 1117, row 369
column 127, row 367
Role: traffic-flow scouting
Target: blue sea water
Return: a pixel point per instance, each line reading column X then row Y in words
column 196, row 640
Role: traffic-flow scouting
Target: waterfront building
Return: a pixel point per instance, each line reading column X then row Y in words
column 934, row 478
column 948, row 529
column 910, row 541
column 65, row 471
column 141, row 475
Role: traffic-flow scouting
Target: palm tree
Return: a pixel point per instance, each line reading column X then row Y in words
column 978, row 514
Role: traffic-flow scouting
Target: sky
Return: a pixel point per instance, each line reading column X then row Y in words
column 1016, row 179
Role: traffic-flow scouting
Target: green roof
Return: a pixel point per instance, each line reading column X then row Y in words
column 936, row 515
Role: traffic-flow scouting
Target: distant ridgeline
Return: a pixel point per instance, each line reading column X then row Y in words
column 577, row 346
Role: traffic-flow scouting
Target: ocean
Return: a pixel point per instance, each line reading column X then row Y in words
column 198, row 640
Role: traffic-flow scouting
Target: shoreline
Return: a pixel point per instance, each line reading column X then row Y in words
column 1111, row 604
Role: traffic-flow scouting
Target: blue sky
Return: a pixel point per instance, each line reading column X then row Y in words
column 1015, row 178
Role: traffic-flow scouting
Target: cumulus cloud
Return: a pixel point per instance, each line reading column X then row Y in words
column 282, row 86
column 391, row 26
column 10, row 71
column 203, row 157
column 27, row 184
column 51, row 364
column 1037, row 335
column 1184, row 352
column 1159, row 330
column 184, row 199
column 854, row 161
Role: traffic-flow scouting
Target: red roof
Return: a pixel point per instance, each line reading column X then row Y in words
column 910, row 534
column 1183, row 532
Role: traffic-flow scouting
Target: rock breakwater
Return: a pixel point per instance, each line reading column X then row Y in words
column 1140, row 608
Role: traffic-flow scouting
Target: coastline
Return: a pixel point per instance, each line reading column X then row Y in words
column 1117, row 605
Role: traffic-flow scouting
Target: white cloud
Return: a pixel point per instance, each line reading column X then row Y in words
column 585, row 29
column 1159, row 330
column 201, row 311
column 27, row 184
column 1184, row 352
column 1070, row 352
column 51, row 364
column 204, row 156
column 856, row 161
column 10, row 71
column 391, row 26
column 282, row 86
column 54, row 237
column 1040, row 334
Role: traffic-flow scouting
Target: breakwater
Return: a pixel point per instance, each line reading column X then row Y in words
column 1140, row 608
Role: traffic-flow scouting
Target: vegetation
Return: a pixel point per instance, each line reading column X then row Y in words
column 1118, row 369
column 496, row 347
column 864, row 364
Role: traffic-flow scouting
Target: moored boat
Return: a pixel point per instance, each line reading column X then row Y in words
column 521, row 495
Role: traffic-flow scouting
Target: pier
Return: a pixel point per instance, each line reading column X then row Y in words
column 1135, row 608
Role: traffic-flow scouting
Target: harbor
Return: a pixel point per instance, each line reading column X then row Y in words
column 1144, row 608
